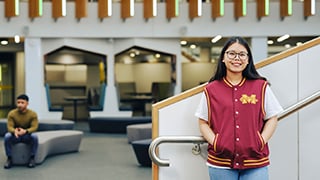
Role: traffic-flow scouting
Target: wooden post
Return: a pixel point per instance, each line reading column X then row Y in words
column 240, row 8
column 172, row 7
column 59, row 8
column 35, row 8
column 309, row 8
column 149, row 8
column 285, row 8
column 262, row 8
column 11, row 8
column 127, row 8
column 195, row 8
column 104, row 8
column 81, row 9
column 217, row 8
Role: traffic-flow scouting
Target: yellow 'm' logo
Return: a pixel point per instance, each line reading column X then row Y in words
column 245, row 99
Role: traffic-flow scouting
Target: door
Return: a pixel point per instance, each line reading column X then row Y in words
column 6, row 83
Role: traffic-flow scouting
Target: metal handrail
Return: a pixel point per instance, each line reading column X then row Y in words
column 199, row 139
column 170, row 139
column 299, row 105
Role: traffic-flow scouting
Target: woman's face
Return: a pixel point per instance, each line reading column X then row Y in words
column 236, row 58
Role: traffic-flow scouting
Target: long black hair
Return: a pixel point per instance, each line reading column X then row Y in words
column 249, row 72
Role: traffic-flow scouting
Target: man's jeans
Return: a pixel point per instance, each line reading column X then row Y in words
column 10, row 139
column 235, row 174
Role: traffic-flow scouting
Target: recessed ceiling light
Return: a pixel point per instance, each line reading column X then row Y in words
column 4, row 42
column 284, row 37
column 193, row 46
column 132, row 54
column 17, row 39
column 216, row 38
column 287, row 45
column 270, row 42
column 183, row 42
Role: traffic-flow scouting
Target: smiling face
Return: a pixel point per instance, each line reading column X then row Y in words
column 236, row 58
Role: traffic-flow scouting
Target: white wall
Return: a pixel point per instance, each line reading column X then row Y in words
column 284, row 144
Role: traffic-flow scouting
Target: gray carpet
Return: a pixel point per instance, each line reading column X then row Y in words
column 101, row 157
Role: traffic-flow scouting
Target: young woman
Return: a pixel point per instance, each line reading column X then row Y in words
column 237, row 116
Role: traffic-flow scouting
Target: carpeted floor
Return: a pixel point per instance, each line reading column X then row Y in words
column 101, row 157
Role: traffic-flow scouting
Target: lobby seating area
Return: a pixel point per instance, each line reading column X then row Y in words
column 55, row 137
column 100, row 156
column 60, row 137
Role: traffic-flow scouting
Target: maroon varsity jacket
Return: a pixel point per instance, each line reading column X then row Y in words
column 236, row 117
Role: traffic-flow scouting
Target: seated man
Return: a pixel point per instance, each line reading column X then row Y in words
column 22, row 122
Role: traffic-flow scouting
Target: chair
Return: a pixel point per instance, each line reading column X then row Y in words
column 50, row 106
column 124, row 89
column 101, row 96
column 161, row 91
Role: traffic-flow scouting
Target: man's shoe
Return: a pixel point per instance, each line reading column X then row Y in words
column 31, row 163
column 8, row 164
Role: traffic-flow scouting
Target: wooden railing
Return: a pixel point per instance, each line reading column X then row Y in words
column 288, row 53
column 172, row 8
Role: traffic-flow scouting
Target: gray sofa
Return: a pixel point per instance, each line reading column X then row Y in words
column 50, row 143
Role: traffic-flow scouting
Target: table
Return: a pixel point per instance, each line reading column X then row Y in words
column 75, row 100
column 139, row 99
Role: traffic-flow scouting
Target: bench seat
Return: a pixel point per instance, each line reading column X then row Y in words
column 141, row 150
column 139, row 132
column 50, row 143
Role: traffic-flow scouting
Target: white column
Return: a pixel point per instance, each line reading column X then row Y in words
column 259, row 48
column 34, row 80
column 111, row 106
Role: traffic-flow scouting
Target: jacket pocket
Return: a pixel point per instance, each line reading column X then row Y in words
column 261, row 143
column 215, row 143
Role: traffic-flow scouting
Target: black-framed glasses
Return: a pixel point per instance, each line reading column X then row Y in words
column 232, row 55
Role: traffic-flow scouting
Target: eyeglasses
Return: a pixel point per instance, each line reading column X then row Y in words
column 232, row 55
